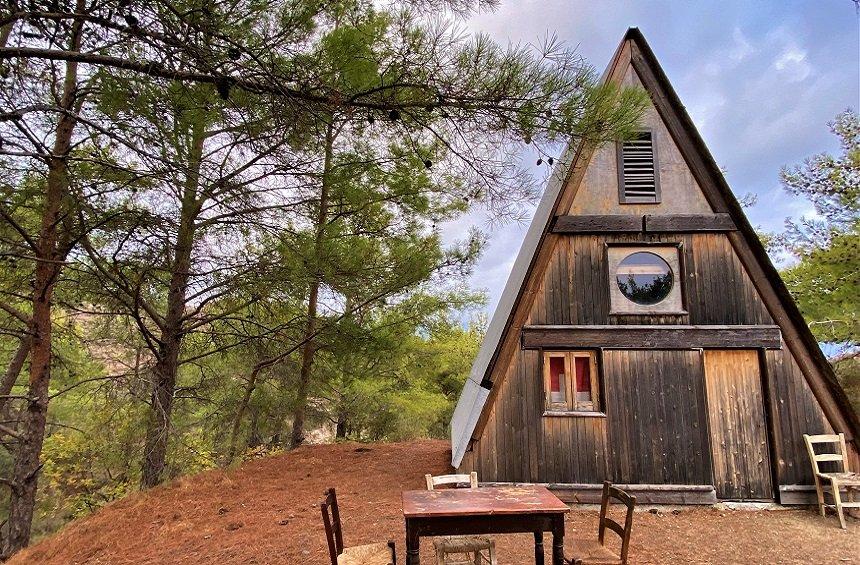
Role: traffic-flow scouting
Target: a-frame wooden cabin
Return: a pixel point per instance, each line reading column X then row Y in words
column 644, row 336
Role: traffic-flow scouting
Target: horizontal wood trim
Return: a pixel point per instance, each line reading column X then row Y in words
column 798, row 494
column 573, row 414
column 651, row 337
column 597, row 224
column 688, row 223
column 577, row 493
column 649, row 223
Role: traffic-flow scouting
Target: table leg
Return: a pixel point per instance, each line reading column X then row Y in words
column 412, row 544
column 558, row 541
column 538, row 548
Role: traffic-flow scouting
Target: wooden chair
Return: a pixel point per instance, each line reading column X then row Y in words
column 461, row 550
column 371, row 554
column 844, row 479
column 591, row 552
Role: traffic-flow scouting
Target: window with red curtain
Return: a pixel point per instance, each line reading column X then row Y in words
column 583, row 379
column 556, row 379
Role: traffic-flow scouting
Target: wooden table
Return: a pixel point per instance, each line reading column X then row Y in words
column 495, row 510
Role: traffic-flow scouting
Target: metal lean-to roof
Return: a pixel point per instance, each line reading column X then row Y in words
column 474, row 395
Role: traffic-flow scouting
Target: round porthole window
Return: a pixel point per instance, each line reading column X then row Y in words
column 644, row 278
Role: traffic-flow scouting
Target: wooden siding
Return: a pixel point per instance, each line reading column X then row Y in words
column 656, row 411
column 520, row 444
column 796, row 412
column 649, row 223
column 567, row 284
column 717, row 290
column 688, row 223
column 739, row 444
column 597, row 224
column 654, row 431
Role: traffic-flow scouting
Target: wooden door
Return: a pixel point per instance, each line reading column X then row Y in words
column 737, row 425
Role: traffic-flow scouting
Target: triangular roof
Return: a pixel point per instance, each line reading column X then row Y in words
column 475, row 400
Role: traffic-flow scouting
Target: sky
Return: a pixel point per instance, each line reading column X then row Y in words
column 760, row 80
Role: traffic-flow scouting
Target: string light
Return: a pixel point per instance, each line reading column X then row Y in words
column 223, row 87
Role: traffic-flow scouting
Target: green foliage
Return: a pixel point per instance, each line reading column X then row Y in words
column 826, row 284
column 831, row 183
column 825, row 280
column 848, row 373
column 404, row 378
column 402, row 121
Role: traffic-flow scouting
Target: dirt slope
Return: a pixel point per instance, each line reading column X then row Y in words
column 267, row 512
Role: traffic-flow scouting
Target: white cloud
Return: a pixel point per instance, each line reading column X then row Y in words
column 792, row 64
column 741, row 48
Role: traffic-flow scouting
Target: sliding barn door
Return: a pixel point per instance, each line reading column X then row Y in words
column 737, row 425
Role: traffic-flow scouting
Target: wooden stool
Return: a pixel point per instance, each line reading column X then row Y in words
column 465, row 550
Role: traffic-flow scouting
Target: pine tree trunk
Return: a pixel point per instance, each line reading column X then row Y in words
column 297, row 437
column 167, row 365
column 172, row 329
column 340, row 430
column 309, row 349
column 49, row 258
column 240, row 414
column 254, row 438
column 10, row 377
column 34, row 416
column 5, row 32
column 158, row 427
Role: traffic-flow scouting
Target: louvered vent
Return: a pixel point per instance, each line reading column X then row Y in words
column 638, row 177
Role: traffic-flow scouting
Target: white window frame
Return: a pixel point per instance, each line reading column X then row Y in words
column 570, row 404
column 621, row 305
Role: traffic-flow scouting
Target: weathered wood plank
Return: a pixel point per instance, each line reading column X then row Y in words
column 738, row 435
column 597, row 224
column 822, row 380
column 649, row 223
column 679, row 223
column 796, row 412
column 587, row 493
column 795, row 495
column 642, row 388
column 651, row 337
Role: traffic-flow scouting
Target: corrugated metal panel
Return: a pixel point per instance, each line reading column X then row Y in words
column 474, row 396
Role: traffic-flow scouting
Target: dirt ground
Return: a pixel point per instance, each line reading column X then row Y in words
column 267, row 511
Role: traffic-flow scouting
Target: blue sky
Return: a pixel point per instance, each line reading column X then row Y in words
column 760, row 79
